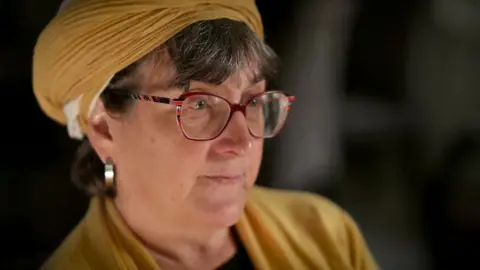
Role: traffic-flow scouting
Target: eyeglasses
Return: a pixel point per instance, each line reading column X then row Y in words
column 204, row 116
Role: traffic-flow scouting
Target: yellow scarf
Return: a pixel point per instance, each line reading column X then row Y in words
column 279, row 229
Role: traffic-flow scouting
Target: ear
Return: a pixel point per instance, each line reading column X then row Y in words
column 99, row 131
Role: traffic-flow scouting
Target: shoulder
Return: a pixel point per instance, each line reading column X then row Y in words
column 297, row 203
column 300, row 207
column 312, row 217
column 69, row 254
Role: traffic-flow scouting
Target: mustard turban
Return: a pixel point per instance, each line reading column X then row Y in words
column 89, row 41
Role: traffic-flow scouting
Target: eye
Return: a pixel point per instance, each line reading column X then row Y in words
column 200, row 104
column 254, row 102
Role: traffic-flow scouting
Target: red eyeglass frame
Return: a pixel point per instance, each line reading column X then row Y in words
column 234, row 107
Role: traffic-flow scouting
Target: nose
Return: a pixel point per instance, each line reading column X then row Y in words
column 236, row 139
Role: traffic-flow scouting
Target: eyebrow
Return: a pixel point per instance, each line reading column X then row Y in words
column 257, row 78
column 174, row 84
column 167, row 86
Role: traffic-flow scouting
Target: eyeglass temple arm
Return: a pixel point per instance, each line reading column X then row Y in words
column 164, row 100
column 290, row 99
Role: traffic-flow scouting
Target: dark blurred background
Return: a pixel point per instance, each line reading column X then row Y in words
column 386, row 124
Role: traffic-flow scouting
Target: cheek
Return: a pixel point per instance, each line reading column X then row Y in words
column 178, row 164
column 157, row 162
column 255, row 156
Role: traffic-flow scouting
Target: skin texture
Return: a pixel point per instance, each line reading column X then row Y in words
column 168, row 191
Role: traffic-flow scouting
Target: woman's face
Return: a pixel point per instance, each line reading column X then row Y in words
column 159, row 171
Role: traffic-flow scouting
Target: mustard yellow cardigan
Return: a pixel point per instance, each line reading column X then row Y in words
column 279, row 229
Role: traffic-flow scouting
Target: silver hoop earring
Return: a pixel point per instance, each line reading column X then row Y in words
column 109, row 174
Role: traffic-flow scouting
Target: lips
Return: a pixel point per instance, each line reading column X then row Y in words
column 226, row 179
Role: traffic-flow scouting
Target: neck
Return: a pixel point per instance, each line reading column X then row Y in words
column 190, row 253
column 179, row 246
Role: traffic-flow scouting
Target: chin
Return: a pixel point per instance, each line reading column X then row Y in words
column 223, row 213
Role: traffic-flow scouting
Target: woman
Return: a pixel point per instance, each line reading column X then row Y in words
column 172, row 98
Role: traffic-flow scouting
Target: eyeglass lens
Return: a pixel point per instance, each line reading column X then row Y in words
column 203, row 117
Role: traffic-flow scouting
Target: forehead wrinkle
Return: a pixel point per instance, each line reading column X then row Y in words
column 239, row 81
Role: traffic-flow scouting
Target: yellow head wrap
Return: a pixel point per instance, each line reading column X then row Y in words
column 89, row 41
